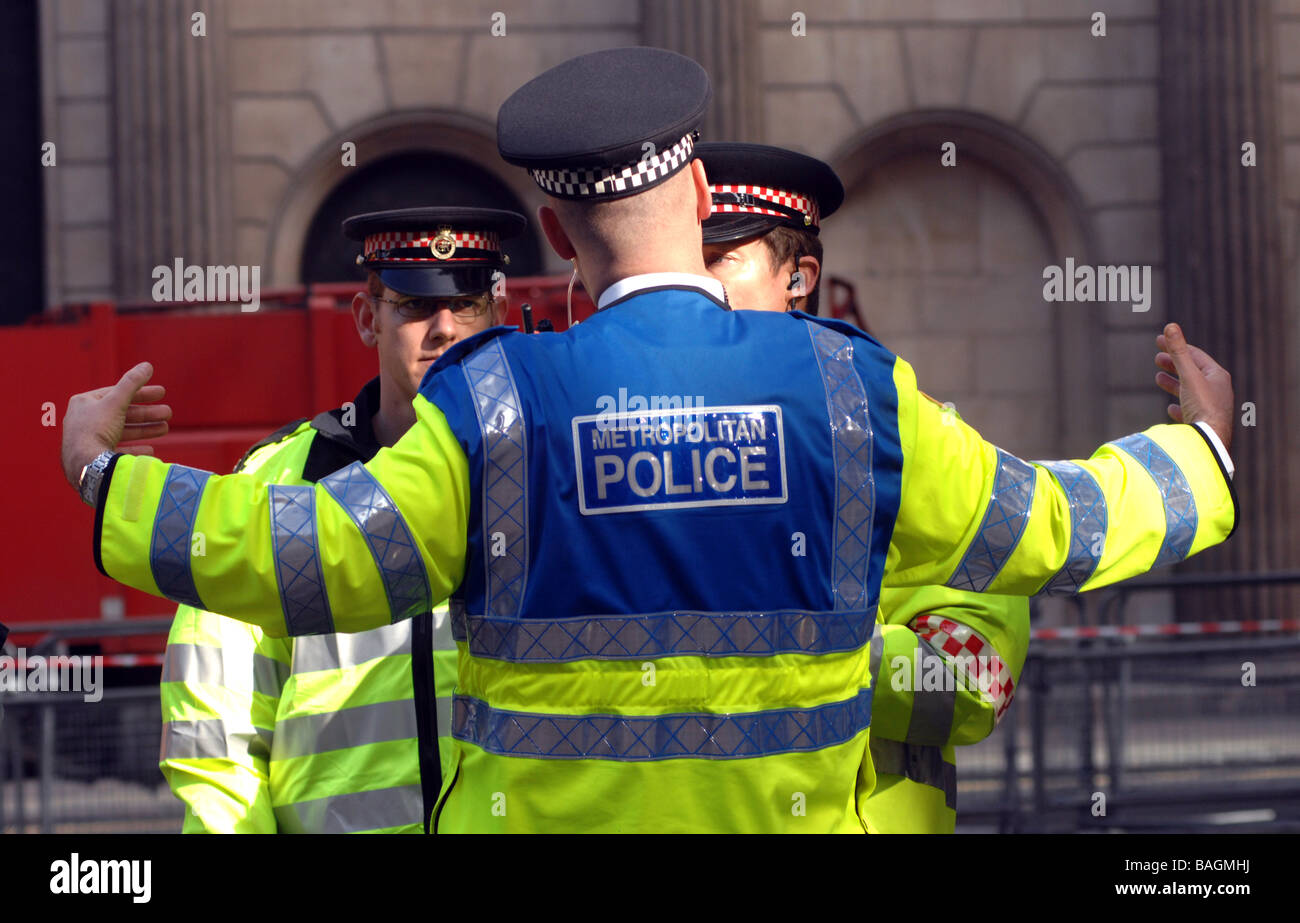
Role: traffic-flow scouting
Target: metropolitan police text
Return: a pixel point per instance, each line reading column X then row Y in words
column 610, row 468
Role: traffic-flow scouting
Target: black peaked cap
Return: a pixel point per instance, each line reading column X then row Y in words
column 737, row 215
column 607, row 124
column 434, row 252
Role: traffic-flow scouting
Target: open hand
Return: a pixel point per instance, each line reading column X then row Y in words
column 96, row 421
column 1202, row 386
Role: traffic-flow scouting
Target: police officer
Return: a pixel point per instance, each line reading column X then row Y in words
column 663, row 611
column 763, row 243
column 339, row 733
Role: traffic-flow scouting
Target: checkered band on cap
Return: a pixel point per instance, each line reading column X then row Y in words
column 605, row 181
column 755, row 200
column 379, row 246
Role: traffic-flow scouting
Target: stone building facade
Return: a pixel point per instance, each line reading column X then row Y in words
column 1123, row 148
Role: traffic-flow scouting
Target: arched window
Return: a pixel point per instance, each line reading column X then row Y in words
column 947, row 263
column 404, row 159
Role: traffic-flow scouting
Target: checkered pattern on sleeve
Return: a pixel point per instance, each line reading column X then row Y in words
column 983, row 667
column 606, row 181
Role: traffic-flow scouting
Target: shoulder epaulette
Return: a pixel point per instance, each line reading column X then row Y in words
column 279, row 435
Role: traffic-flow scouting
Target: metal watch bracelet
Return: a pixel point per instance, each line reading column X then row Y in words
column 91, row 477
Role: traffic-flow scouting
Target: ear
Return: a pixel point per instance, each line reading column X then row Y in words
column 365, row 317
column 500, row 308
column 703, row 199
column 555, row 234
column 812, row 271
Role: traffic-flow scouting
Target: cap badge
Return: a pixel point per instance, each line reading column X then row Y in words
column 443, row 244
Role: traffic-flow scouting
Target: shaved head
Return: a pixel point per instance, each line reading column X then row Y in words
column 658, row 230
column 608, row 229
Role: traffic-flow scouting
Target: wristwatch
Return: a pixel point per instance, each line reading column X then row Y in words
column 92, row 475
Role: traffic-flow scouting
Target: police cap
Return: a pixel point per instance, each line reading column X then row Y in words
column 434, row 252
column 756, row 187
column 607, row 124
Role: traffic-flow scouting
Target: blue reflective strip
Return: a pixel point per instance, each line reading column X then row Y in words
column 390, row 542
column 505, row 477
column 640, row 738
column 855, row 496
column 1088, row 519
column 1004, row 523
column 303, row 599
column 1175, row 492
column 664, row 634
column 173, row 528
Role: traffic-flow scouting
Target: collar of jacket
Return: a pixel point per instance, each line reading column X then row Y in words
column 337, row 444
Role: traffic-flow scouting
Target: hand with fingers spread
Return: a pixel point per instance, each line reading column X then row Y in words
column 1202, row 386
column 96, row 421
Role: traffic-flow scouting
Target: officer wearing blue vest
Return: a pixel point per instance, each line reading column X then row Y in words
column 664, row 531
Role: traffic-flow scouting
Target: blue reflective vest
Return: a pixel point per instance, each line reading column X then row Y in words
column 672, row 491
column 533, row 411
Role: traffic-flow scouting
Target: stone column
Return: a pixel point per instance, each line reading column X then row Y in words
column 722, row 35
column 172, row 122
column 1223, row 261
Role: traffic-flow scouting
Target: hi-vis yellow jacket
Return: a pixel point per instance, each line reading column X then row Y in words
column 640, row 648
column 949, row 661
column 318, row 734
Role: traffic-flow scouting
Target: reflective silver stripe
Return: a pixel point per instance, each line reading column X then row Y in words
column 354, row 812
column 924, row 765
column 332, row 652
column 459, row 618
column 855, row 491
column 386, row 533
column 505, row 477
column 932, row 709
column 210, row 738
column 297, row 561
column 1004, row 523
column 347, row 727
column 1087, row 525
column 173, row 529
column 444, row 707
column 663, row 634
column 1180, row 505
column 443, row 640
column 971, row 658
column 242, row 670
column 638, row 738
column 877, row 653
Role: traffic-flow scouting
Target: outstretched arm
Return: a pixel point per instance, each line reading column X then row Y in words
column 366, row 546
column 975, row 517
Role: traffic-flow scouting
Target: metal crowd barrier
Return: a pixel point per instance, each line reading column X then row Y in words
column 1105, row 734
column 1195, row 731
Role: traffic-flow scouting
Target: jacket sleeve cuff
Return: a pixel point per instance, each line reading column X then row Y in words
column 1217, row 444
column 100, row 502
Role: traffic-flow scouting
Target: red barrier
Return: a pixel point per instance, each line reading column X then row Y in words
column 231, row 378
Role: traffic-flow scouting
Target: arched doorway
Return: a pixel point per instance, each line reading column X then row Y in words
column 948, row 265
column 436, row 139
column 406, row 180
